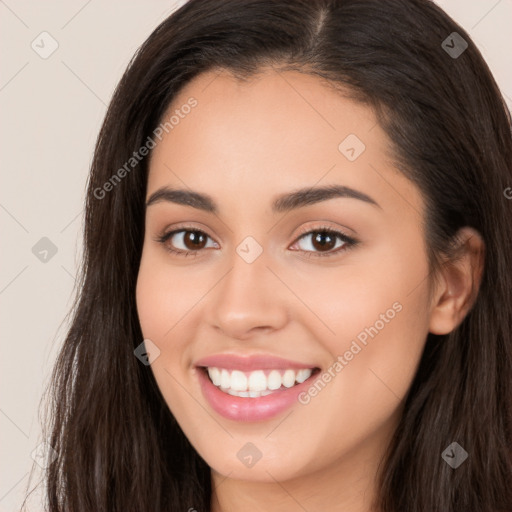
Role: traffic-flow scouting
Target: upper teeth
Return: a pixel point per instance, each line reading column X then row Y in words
column 256, row 383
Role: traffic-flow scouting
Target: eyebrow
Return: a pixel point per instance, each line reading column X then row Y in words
column 282, row 203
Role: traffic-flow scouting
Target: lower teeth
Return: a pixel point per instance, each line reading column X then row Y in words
column 247, row 394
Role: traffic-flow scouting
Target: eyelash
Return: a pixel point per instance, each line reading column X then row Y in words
column 349, row 242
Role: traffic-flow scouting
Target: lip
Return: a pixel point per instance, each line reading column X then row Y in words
column 250, row 363
column 248, row 409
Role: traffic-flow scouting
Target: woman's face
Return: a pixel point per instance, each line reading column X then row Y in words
column 266, row 297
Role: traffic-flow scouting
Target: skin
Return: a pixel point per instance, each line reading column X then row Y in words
column 244, row 144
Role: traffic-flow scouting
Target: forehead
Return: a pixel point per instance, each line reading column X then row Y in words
column 277, row 111
column 271, row 133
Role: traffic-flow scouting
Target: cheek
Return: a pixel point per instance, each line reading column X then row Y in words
column 150, row 302
column 161, row 297
column 164, row 295
column 374, row 314
column 168, row 298
column 365, row 290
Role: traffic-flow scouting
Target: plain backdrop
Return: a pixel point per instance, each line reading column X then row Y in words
column 52, row 108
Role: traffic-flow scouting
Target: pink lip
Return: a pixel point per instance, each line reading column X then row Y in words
column 249, row 363
column 249, row 409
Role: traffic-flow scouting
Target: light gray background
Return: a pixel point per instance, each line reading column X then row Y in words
column 52, row 110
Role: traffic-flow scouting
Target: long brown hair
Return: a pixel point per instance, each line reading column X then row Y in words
column 119, row 447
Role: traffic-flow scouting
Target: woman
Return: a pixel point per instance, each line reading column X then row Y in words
column 296, row 291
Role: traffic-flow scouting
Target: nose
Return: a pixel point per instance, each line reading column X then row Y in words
column 249, row 299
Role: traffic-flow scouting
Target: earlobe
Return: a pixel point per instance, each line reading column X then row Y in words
column 459, row 283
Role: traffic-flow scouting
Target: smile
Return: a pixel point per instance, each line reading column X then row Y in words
column 254, row 388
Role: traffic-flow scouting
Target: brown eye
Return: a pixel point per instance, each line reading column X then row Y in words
column 324, row 242
column 185, row 241
column 194, row 240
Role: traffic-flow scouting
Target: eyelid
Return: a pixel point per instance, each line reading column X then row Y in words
column 323, row 227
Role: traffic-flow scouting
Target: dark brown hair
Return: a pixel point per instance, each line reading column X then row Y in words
column 119, row 447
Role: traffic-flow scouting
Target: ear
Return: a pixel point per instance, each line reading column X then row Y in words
column 458, row 283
